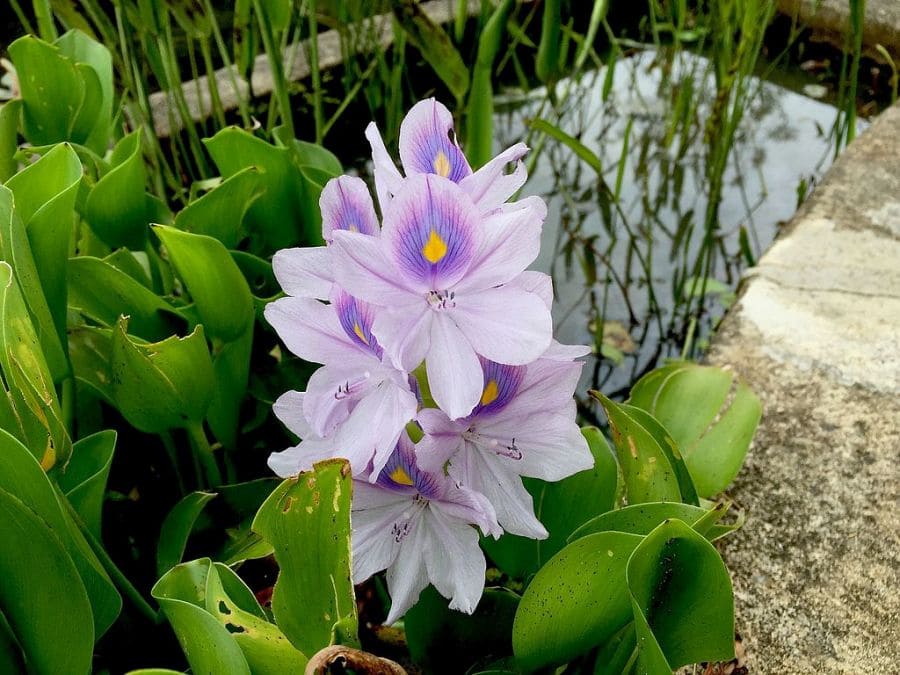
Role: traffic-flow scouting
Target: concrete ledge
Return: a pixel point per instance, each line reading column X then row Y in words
column 832, row 19
column 816, row 333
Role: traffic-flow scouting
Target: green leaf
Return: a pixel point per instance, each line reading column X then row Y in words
column 307, row 521
column 644, row 518
column 711, row 416
column 52, row 90
column 92, row 55
column 220, row 212
column 576, row 146
column 176, row 528
column 103, row 293
column 231, row 365
column 547, row 62
column 576, row 601
column 45, row 195
column 682, row 600
column 90, row 349
column 84, row 479
column 435, row 633
column 288, row 213
column 10, row 115
column 163, row 385
column 206, row 643
column 561, row 507
column 435, row 46
column 22, row 476
column 30, row 409
column 212, row 278
column 16, row 250
column 646, row 467
column 41, row 594
column 117, row 208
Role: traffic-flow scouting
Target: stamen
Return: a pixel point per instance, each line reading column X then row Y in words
column 349, row 388
column 441, row 299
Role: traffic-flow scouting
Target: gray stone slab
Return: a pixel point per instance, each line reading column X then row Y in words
column 832, row 19
column 816, row 333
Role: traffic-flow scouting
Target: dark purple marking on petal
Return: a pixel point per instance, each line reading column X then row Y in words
column 428, row 142
column 401, row 473
column 501, row 383
column 356, row 319
column 433, row 234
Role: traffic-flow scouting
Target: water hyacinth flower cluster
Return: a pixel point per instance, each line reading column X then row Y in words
column 428, row 322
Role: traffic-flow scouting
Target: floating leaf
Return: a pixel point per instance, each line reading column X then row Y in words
column 176, row 528
column 646, row 467
column 577, row 601
column 711, row 416
column 682, row 600
column 307, row 521
column 84, row 478
column 213, row 280
column 162, row 385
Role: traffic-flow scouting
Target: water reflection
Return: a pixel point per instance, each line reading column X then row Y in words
column 623, row 268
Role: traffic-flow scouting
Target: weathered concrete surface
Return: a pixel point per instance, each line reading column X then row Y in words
column 816, row 333
column 374, row 34
column 831, row 18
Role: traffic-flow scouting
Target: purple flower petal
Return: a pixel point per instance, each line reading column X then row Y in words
column 454, row 373
column 304, row 272
column 356, row 318
column 362, row 268
column 401, row 472
column 347, row 205
column 505, row 324
column 310, row 329
column 387, row 177
column 428, row 144
column 431, row 230
column 289, row 410
column 501, row 384
column 406, row 330
column 489, row 187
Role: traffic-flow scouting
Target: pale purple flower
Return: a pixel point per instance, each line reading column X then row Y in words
column 445, row 276
column 418, row 526
column 523, row 425
column 428, row 146
column 307, row 272
column 356, row 402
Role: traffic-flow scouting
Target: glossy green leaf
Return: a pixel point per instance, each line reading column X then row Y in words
column 135, row 265
column 52, row 621
column 307, row 521
column 52, row 90
column 45, row 195
column 103, row 293
column 435, row 633
column 435, row 46
column 117, row 208
column 267, row 650
column 577, row 601
column 162, row 385
column 231, row 365
column 90, row 350
column 30, row 410
column 287, row 214
column 22, row 476
column 84, row 479
column 213, row 280
column 206, row 643
column 92, row 55
column 682, row 599
column 711, row 416
column 644, row 518
column 10, row 116
column 176, row 528
column 16, row 250
column 547, row 62
column 646, row 469
column 220, row 212
column 561, row 507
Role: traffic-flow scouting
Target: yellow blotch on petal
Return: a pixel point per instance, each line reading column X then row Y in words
column 441, row 164
column 359, row 333
column 435, row 248
column 490, row 393
column 400, row 476
column 352, row 227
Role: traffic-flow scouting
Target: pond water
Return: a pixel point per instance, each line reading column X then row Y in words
column 643, row 248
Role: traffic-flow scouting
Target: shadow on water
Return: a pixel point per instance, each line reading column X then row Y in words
column 622, row 268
